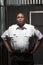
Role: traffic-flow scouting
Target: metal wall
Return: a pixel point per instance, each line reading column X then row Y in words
column 18, row 2
column 21, row 2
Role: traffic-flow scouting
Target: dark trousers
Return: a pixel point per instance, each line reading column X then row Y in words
column 22, row 59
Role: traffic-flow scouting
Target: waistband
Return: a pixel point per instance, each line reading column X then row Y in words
column 18, row 53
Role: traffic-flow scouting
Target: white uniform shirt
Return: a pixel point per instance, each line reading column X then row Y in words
column 19, row 37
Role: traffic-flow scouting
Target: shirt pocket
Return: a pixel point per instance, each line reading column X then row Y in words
column 13, row 36
column 28, row 34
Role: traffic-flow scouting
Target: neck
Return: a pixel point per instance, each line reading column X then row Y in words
column 20, row 25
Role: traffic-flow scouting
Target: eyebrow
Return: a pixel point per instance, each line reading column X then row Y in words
column 20, row 16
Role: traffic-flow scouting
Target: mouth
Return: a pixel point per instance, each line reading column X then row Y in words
column 20, row 21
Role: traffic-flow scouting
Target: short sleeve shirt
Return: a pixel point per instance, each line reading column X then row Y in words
column 19, row 37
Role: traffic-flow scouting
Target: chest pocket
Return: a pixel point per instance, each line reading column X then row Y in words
column 13, row 37
column 28, row 34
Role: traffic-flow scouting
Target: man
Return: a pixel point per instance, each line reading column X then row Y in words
column 21, row 36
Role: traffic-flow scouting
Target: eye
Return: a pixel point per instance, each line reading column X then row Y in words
column 20, row 17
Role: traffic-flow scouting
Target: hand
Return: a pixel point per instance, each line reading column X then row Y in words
column 10, row 51
column 31, row 52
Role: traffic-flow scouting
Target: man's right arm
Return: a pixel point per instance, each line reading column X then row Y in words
column 7, row 46
column 4, row 37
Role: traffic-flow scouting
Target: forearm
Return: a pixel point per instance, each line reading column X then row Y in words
column 37, row 43
column 7, row 46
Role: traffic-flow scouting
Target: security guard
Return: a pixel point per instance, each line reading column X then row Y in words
column 20, row 35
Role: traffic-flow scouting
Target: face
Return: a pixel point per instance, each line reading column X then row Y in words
column 20, row 18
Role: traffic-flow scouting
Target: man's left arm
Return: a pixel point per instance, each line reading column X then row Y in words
column 37, row 43
column 38, row 40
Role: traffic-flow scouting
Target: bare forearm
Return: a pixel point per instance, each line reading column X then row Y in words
column 36, row 46
column 7, row 46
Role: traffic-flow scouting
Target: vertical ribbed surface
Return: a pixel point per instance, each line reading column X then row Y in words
column 11, row 2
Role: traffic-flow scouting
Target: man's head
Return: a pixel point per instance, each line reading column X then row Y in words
column 20, row 18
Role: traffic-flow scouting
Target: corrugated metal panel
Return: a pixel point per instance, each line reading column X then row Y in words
column 2, row 2
column 33, row 1
column 19, row 2
column 42, row 1
column 36, row 1
column 2, row 23
column 11, row 2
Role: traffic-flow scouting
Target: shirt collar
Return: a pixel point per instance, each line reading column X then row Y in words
column 23, row 27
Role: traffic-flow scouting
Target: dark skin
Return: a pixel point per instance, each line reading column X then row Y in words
column 20, row 20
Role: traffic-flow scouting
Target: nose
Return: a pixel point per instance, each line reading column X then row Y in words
column 20, row 18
